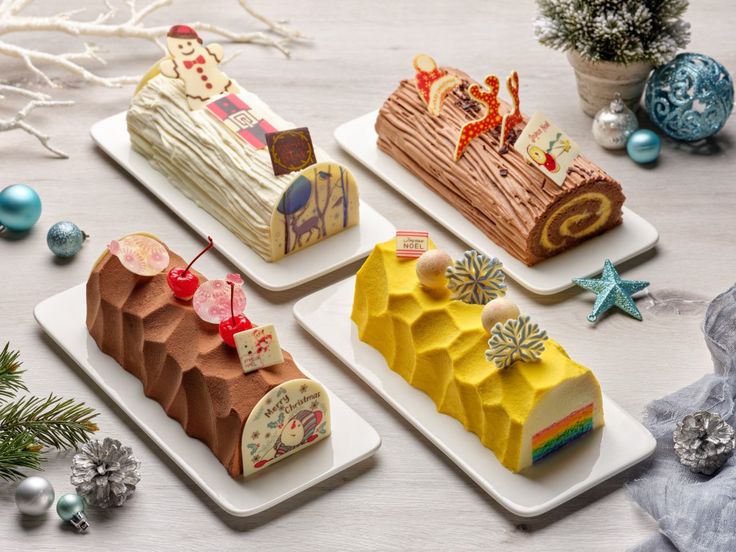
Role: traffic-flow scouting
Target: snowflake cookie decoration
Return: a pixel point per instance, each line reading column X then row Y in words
column 516, row 339
column 476, row 278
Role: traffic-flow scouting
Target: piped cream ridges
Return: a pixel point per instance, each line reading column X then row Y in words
column 438, row 345
column 228, row 178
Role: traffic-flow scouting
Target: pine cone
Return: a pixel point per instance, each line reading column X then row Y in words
column 703, row 441
column 105, row 473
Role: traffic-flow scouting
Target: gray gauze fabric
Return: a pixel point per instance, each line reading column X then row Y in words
column 695, row 513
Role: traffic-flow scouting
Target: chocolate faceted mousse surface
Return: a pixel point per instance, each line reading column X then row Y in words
column 181, row 360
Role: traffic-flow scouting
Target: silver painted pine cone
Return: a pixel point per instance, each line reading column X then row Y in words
column 105, row 473
column 703, row 441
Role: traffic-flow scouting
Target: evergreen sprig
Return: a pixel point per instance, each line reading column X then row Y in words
column 10, row 374
column 17, row 452
column 29, row 423
column 623, row 31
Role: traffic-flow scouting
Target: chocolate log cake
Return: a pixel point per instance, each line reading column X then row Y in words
column 513, row 203
column 181, row 360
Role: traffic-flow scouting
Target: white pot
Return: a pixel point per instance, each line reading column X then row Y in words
column 598, row 81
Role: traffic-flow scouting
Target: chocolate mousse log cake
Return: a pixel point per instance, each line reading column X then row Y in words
column 181, row 361
column 513, row 203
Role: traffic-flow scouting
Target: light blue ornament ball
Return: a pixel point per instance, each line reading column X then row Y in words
column 69, row 505
column 690, row 98
column 65, row 239
column 643, row 146
column 20, row 207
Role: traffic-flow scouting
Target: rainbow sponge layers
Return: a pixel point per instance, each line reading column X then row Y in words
column 556, row 436
column 438, row 345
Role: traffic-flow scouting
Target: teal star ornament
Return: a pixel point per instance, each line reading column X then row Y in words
column 612, row 291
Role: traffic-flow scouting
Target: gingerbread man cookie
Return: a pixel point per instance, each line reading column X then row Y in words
column 196, row 65
column 488, row 122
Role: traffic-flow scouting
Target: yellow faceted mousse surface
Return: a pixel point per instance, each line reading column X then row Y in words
column 438, row 345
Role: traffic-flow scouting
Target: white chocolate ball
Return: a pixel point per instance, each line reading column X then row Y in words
column 498, row 310
column 431, row 268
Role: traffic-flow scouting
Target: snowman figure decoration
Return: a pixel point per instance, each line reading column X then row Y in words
column 298, row 430
column 196, row 65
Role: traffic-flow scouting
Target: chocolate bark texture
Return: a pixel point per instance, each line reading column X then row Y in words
column 513, row 203
column 181, row 360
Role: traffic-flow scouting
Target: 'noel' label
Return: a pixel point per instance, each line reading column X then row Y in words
column 546, row 147
column 289, row 418
column 411, row 244
column 258, row 348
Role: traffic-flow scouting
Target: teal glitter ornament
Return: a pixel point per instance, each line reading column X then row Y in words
column 70, row 507
column 690, row 98
column 20, row 208
column 65, row 239
column 612, row 291
column 643, row 146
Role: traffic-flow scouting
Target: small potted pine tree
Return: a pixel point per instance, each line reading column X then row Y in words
column 612, row 44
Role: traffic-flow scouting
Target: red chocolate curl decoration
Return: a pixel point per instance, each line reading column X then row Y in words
column 510, row 120
column 488, row 122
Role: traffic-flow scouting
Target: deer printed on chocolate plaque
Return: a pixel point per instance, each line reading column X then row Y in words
column 492, row 118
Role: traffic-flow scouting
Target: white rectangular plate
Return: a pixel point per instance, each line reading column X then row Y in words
column 621, row 443
column 634, row 236
column 111, row 135
column 353, row 439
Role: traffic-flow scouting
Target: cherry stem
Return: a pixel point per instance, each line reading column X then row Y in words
column 232, row 299
column 209, row 246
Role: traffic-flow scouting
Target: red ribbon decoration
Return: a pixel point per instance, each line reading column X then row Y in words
column 189, row 64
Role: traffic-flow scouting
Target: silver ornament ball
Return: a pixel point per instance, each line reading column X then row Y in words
column 34, row 496
column 613, row 124
column 65, row 239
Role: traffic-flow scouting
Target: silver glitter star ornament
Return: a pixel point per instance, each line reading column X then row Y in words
column 611, row 292
column 476, row 278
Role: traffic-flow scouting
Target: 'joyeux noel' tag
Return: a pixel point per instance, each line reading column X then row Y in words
column 240, row 118
column 410, row 244
column 543, row 145
column 258, row 348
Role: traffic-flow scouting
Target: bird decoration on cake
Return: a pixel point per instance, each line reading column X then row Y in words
column 518, row 339
column 476, row 278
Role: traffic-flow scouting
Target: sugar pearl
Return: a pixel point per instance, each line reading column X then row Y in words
column 498, row 310
column 431, row 267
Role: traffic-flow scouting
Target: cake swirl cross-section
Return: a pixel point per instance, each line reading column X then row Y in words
column 459, row 139
column 210, row 138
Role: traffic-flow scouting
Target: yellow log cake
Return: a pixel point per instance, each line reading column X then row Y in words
column 522, row 412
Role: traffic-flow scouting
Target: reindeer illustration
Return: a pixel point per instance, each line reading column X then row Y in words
column 305, row 228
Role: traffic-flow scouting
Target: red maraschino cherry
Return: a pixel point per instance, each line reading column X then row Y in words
column 235, row 324
column 182, row 281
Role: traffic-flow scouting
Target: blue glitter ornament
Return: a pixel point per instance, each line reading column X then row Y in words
column 643, row 146
column 612, row 291
column 20, row 208
column 65, row 239
column 70, row 507
column 690, row 98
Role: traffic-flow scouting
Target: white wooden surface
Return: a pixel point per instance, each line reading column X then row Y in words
column 409, row 496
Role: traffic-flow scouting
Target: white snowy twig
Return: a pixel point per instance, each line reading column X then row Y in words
column 39, row 62
column 18, row 120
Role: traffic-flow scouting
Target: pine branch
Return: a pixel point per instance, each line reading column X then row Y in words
column 18, row 451
column 52, row 421
column 10, row 375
